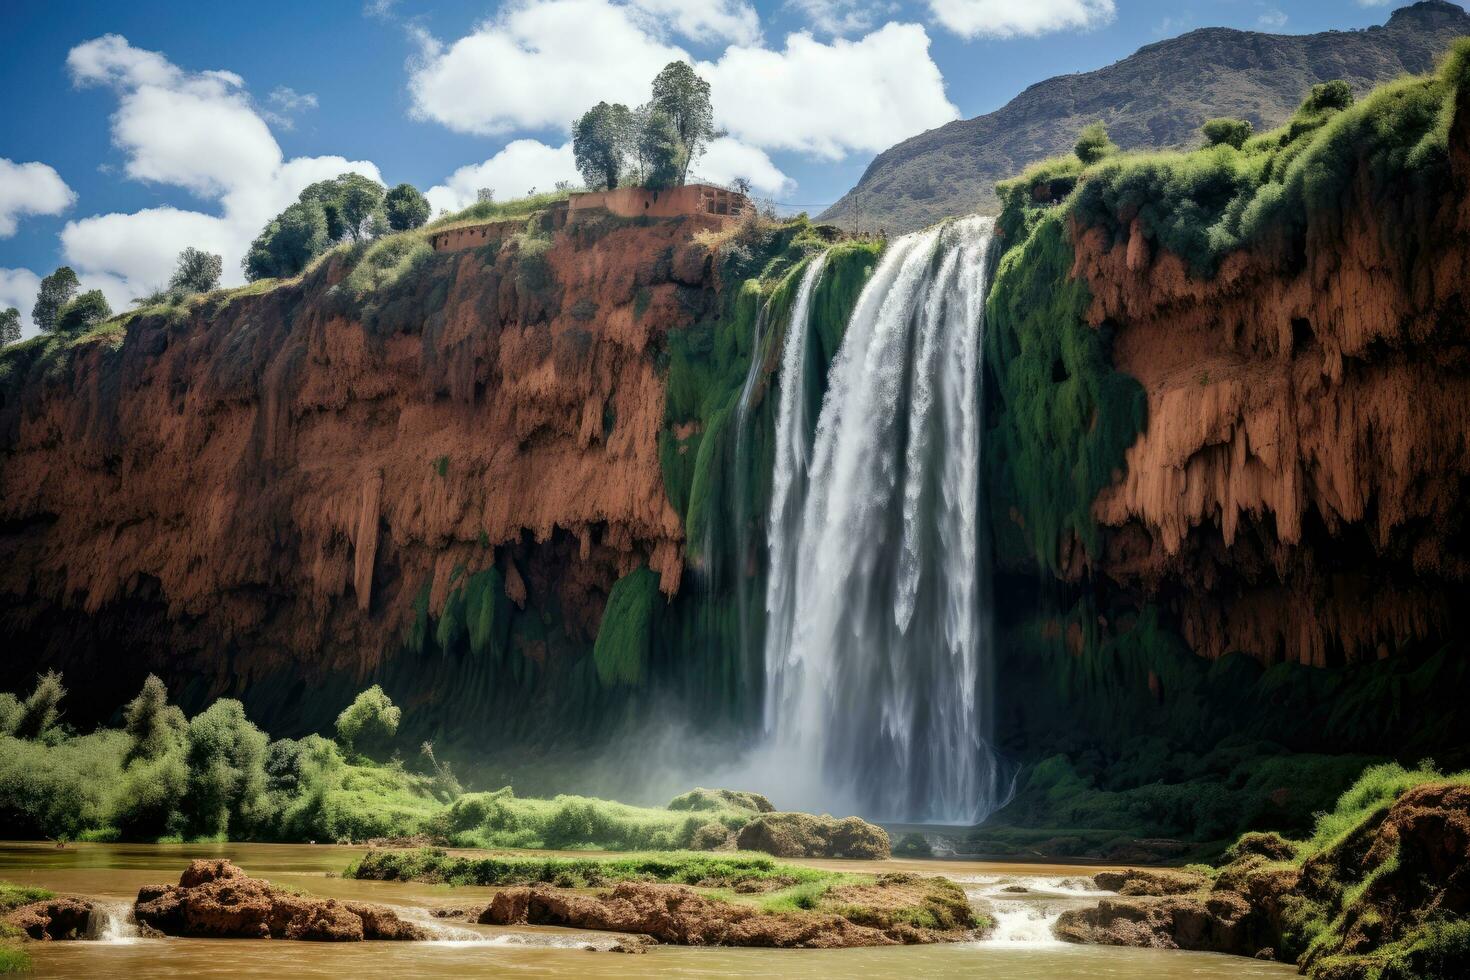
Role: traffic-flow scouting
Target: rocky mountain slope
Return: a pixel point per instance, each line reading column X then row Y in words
column 1157, row 97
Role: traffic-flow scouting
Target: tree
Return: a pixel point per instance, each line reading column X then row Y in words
column 485, row 195
column 9, row 326
column 87, row 310
column 683, row 97
column 40, row 712
column 1093, row 144
column 291, row 240
column 1227, row 132
column 197, row 272
column 740, row 185
column 369, row 722
column 663, row 157
column 405, row 207
column 56, row 291
column 154, row 725
column 601, row 141
column 348, row 202
column 226, row 759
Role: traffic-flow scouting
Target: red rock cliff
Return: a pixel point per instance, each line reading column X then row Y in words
column 270, row 483
column 1298, row 493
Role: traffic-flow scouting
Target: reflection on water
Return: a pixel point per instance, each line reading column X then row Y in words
column 1023, row 899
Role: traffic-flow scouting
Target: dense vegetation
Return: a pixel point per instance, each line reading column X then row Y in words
column 216, row 776
column 652, row 145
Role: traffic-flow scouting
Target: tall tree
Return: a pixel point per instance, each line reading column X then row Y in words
column 349, row 202
column 405, row 207
column 56, row 291
column 663, row 157
column 9, row 326
column 197, row 272
column 683, row 97
column 601, row 141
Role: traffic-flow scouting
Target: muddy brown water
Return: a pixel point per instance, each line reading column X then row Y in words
column 1024, row 898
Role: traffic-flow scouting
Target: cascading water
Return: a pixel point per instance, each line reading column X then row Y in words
column 876, row 632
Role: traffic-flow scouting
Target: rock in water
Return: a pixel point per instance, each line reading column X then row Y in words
column 217, row 899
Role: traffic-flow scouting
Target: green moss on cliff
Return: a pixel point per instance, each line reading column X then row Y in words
column 626, row 635
column 1063, row 417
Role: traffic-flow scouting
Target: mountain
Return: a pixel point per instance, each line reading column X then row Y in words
column 1157, row 97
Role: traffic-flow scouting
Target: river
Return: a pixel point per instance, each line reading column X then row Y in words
column 111, row 874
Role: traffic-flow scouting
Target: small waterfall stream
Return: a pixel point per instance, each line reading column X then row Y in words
column 876, row 632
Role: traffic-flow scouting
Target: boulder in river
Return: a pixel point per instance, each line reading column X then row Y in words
column 54, row 918
column 217, row 899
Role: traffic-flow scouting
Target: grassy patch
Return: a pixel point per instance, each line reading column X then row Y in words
column 13, row 896
column 500, row 819
column 683, row 868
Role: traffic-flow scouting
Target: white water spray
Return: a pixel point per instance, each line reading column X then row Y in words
column 876, row 630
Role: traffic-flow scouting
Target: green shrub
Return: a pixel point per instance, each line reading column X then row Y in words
column 1227, row 132
column 1093, row 144
column 227, row 782
column 369, row 723
column 57, row 791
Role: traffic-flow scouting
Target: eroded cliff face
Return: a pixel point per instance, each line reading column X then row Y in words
column 1298, row 492
column 262, row 492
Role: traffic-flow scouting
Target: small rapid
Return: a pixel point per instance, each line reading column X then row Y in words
column 112, row 923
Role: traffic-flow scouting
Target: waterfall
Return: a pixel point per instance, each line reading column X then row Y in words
column 876, row 633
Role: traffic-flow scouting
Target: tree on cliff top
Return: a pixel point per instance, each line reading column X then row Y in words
column 369, row 722
column 197, row 272
column 1227, row 132
column 84, row 312
column 405, row 207
column 347, row 207
column 56, row 291
column 683, row 97
column 1093, row 144
column 9, row 326
column 601, row 142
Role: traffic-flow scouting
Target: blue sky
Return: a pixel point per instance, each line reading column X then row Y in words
column 133, row 129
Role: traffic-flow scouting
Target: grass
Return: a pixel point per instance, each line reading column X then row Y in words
column 13, row 956
column 500, row 819
column 484, row 211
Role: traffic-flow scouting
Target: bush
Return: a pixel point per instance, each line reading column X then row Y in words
column 40, row 713
column 1227, row 132
column 57, row 791
column 1093, row 144
column 405, row 208
column 154, row 725
column 369, row 723
column 227, row 782
column 84, row 312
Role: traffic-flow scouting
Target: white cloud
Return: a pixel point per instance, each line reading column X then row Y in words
column 728, row 158
column 285, row 103
column 1016, row 18
column 537, row 66
column 1374, row 3
column 18, row 289
column 837, row 18
column 30, row 188
column 195, row 130
column 831, row 99
column 544, row 62
column 511, row 173
column 704, row 21
column 1271, row 18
